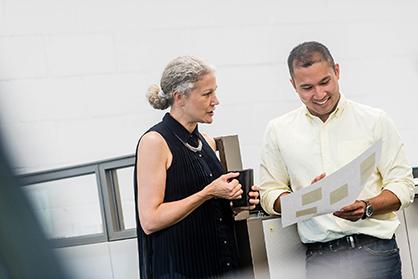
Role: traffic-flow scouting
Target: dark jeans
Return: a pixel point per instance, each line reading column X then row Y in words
column 377, row 259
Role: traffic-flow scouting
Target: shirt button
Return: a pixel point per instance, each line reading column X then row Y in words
column 220, row 219
column 225, row 242
column 210, row 174
column 200, row 155
column 228, row 264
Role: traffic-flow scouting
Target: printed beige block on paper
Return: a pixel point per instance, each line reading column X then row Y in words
column 312, row 210
column 338, row 194
column 366, row 168
column 312, row 196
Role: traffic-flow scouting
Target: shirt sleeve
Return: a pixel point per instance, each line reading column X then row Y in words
column 393, row 166
column 274, row 178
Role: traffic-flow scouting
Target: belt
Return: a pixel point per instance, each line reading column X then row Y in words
column 344, row 243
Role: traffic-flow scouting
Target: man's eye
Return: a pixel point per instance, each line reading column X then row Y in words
column 325, row 82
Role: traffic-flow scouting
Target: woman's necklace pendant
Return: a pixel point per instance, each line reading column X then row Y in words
column 190, row 147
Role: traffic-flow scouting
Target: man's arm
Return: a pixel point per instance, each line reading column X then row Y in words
column 394, row 168
column 383, row 203
column 277, row 205
column 397, row 182
column 274, row 179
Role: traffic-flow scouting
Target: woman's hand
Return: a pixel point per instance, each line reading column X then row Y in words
column 226, row 187
column 254, row 195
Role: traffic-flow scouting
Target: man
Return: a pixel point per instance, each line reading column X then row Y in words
column 327, row 132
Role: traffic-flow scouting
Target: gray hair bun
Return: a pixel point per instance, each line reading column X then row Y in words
column 180, row 75
column 157, row 98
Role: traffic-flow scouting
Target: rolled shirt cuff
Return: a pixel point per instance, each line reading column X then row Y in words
column 406, row 195
column 270, row 200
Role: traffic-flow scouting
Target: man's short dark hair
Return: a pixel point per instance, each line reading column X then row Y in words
column 306, row 54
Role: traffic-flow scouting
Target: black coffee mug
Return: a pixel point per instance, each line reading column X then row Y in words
column 246, row 179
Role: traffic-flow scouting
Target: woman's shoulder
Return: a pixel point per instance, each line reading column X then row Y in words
column 152, row 138
column 155, row 133
column 153, row 146
column 210, row 140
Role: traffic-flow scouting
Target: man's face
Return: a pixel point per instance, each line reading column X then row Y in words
column 317, row 86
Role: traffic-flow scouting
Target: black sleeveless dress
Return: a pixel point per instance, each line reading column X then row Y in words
column 203, row 244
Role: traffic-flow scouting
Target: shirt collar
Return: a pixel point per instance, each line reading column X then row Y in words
column 342, row 103
column 179, row 129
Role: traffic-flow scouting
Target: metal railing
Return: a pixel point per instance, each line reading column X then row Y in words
column 109, row 198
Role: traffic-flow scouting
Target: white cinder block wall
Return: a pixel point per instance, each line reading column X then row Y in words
column 73, row 73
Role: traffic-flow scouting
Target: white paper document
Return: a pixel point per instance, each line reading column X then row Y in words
column 333, row 192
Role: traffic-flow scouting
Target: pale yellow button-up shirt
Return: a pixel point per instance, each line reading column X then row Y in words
column 299, row 146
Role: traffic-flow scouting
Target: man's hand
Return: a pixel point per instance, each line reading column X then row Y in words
column 352, row 212
column 277, row 206
column 383, row 203
column 319, row 177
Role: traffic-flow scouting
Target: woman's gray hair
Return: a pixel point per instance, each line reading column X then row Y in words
column 180, row 75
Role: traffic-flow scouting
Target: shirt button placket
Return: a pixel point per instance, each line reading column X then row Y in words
column 323, row 140
column 326, row 156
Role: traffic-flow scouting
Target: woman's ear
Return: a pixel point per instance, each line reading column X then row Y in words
column 178, row 98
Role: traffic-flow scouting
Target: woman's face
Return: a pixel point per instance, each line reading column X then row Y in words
column 200, row 104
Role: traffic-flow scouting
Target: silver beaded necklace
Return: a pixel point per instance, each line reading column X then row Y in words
column 191, row 148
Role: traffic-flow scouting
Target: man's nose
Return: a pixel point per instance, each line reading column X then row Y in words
column 319, row 93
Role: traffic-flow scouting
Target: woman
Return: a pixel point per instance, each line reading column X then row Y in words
column 185, row 225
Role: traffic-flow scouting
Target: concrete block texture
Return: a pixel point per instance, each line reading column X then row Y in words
column 22, row 57
column 81, row 67
column 80, row 54
column 74, row 73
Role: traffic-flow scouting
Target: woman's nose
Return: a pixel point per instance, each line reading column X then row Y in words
column 215, row 100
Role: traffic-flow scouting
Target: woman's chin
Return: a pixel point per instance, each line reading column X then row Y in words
column 208, row 120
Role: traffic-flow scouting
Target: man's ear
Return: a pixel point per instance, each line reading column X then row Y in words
column 337, row 70
column 292, row 82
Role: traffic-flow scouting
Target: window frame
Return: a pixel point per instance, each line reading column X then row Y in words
column 108, row 196
column 112, row 200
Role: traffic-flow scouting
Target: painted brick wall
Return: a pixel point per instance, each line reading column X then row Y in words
column 73, row 74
